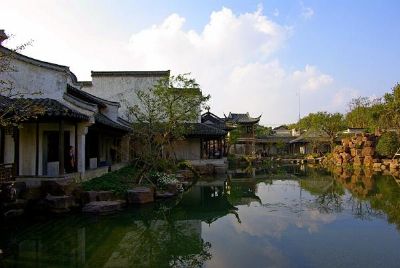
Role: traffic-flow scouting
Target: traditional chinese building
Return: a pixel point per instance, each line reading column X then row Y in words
column 78, row 134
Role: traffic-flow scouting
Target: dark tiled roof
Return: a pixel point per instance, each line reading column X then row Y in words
column 213, row 120
column 104, row 120
column 275, row 139
column 311, row 135
column 282, row 127
column 242, row 118
column 52, row 108
column 131, row 73
column 88, row 97
column 203, row 130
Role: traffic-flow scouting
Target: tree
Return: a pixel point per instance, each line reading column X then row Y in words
column 364, row 113
column 390, row 116
column 162, row 116
column 328, row 123
column 14, row 107
column 388, row 144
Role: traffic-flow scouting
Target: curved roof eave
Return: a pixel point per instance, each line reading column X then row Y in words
column 43, row 64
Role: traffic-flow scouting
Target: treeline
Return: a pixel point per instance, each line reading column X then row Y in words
column 370, row 114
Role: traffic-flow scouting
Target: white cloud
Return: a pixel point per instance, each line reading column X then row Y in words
column 276, row 12
column 234, row 57
column 306, row 12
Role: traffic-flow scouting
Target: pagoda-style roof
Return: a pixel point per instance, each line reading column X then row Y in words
column 242, row 118
column 204, row 130
column 213, row 120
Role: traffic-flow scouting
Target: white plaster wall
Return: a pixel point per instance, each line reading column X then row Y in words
column 188, row 149
column 120, row 88
column 27, row 146
column 32, row 78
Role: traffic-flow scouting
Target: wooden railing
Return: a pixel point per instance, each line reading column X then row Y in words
column 7, row 172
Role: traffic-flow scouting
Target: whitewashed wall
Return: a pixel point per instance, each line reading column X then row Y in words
column 120, row 88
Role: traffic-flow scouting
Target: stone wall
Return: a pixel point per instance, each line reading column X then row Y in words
column 359, row 150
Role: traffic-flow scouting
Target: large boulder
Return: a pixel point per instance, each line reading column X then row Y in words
column 103, row 207
column 59, row 203
column 140, row 195
column 368, row 151
column 91, row 196
column 57, row 187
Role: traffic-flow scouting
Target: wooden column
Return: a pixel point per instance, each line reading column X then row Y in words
column 76, row 147
column 37, row 150
column 2, row 144
column 201, row 148
column 16, row 150
column 61, row 147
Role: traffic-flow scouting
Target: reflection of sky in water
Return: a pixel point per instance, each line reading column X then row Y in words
column 287, row 229
column 266, row 224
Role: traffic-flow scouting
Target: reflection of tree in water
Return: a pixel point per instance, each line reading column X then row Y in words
column 371, row 196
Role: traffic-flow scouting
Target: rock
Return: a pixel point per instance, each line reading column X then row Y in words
column 103, row 207
column 13, row 213
column 90, row 196
column 59, row 203
column 160, row 194
column 368, row 151
column 57, row 187
column 386, row 162
column 358, row 160
column 185, row 173
column 140, row 195
column 376, row 165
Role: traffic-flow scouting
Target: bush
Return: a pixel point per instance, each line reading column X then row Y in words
column 388, row 144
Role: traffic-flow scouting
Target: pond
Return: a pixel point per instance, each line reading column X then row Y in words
column 297, row 218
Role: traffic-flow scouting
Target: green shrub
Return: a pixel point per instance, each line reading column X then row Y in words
column 388, row 144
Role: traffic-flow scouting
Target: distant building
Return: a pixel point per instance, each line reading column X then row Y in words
column 203, row 141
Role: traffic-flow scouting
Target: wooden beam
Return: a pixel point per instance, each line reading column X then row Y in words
column 61, row 147
column 16, row 150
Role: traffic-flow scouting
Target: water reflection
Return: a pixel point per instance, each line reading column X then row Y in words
column 289, row 216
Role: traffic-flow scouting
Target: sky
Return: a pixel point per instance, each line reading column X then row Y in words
column 272, row 58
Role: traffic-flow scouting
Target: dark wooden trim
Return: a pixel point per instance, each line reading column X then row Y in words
column 76, row 147
column 37, row 150
column 2, row 144
column 61, row 147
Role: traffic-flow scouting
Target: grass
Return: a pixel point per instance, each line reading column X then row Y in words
column 118, row 181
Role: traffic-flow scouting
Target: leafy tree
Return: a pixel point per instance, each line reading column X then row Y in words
column 390, row 116
column 365, row 113
column 162, row 116
column 388, row 144
column 263, row 131
column 14, row 107
column 325, row 122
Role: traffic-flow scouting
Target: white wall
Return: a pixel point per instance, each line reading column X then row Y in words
column 31, row 78
column 27, row 147
column 120, row 88
column 188, row 149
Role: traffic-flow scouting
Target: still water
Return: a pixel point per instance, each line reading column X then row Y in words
column 310, row 218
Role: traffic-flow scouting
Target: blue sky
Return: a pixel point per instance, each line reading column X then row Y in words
column 330, row 51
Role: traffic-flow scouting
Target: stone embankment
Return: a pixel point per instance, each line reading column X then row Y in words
column 360, row 151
